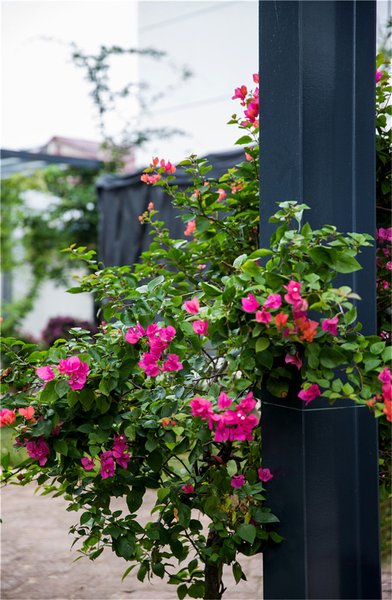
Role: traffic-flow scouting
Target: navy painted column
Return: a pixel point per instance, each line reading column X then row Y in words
column 317, row 80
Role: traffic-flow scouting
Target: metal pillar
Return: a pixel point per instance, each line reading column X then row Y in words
column 317, row 79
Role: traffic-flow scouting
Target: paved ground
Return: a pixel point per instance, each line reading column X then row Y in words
column 37, row 563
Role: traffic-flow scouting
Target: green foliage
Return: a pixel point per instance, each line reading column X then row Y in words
column 199, row 463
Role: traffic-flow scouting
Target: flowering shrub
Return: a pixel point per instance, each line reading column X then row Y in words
column 167, row 396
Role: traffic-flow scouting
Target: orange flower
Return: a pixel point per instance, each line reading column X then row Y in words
column 281, row 319
column 307, row 327
column 388, row 410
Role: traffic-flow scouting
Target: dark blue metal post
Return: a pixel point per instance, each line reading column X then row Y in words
column 317, row 79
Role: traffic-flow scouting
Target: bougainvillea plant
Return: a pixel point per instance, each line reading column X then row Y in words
column 166, row 395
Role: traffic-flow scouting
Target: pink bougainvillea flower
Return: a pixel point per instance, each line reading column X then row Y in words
column 190, row 228
column 169, row 168
column 157, row 346
column 188, row 488
column 330, row 325
column 256, row 77
column 148, row 364
column 273, row 301
column 134, row 334
column 172, row 363
column 385, row 234
column 200, row 327
column 250, row 304
column 252, row 111
column 201, row 407
column 167, row 333
column 7, row 417
column 240, row 93
column 76, row 369
column 222, row 194
column 237, row 481
column 192, row 306
column 119, row 451
column 293, row 359
column 389, row 265
column 310, row 393
column 264, row 474
column 379, row 75
column 150, row 179
column 45, row 373
column 150, row 206
column 39, row 450
column 263, row 316
column 293, row 295
column 27, row 413
column 108, row 465
column 281, row 319
column 387, row 392
column 236, row 188
column 248, row 403
column 87, row 463
column 224, row 401
column 385, row 376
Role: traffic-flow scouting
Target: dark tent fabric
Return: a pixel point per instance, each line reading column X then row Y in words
column 122, row 198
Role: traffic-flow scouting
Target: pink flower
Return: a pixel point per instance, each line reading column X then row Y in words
column 38, row 450
column 77, row 370
column 150, row 206
column 107, row 465
column 188, row 488
column 119, row 450
column 201, row 407
column 310, row 393
column 134, row 334
column 149, row 365
column 240, row 93
column 385, row 376
column 224, row 401
column 264, row 474
column 248, row 403
column 192, row 306
column 87, row 463
column 222, row 194
column 7, row 417
column 172, row 363
column 250, row 304
column 379, row 75
column 157, row 347
column 169, row 168
column 237, row 481
column 330, row 325
column 167, row 333
column 200, row 327
column 45, row 373
column 293, row 295
column 389, row 265
column 27, row 413
column 263, row 316
column 256, row 77
column 293, row 359
column 150, row 179
column 273, row 301
column 190, row 228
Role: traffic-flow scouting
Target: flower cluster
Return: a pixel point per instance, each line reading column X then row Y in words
column 386, row 378
column 108, row 459
column 231, row 424
column 38, row 449
column 8, row 417
column 251, row 101
column 73, row 367
column 161, row 166
column 158, row 339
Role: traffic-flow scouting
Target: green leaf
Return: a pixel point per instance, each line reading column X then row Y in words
column 61, row 446
column 262, row 344
column 387, row 354
column 247, row 532
column 102, row 404
column 267, row 517
column 196, row 590
column 211, row 290
column 158, row 569
column 345, row 264
column 237, row 572
column 135, row 499
column 245, row 139
column 239, row 261
column 155, row 460
column 49, row 394
column 182, row 591
column 377, row 348
column 331, row 358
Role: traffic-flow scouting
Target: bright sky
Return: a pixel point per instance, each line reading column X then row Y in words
column 43, row 93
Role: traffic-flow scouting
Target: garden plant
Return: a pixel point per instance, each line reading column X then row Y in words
column 166, row 396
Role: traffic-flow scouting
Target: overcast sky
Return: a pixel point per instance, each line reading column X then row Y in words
column 44, row 94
